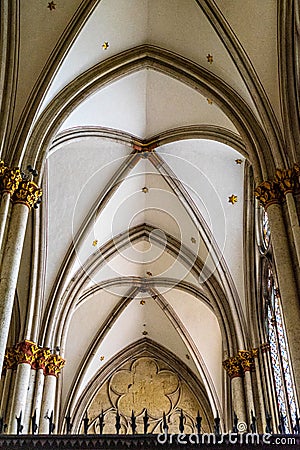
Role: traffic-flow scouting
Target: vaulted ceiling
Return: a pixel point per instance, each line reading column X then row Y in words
column 143, row 117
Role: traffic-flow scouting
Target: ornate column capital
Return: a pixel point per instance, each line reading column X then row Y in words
column 285, row 181
column 27, row 193
column 53, row 365
column 41, row 357
column 243, row 362
column 233, row 367
column 2, row 167
column 10, row 179
column 25, row 352
column 268, row 193
column 246, row 358
column 10, row 361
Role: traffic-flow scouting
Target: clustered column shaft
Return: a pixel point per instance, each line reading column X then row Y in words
column 274, row 196
column 23, row 359
column 239, row 368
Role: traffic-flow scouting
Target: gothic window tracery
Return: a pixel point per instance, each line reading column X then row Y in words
column 276, row 335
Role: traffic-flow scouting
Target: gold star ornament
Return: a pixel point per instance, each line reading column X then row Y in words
column 105, row 45
column 232, row 199
column 210, row 58
column 95, row 242
column 238, row 161
column 51, row 6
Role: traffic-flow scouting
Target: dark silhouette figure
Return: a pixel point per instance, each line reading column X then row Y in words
column 19, row 424
column 34, row 426
column 101, row 422
column 146, row 422
column 198, row 423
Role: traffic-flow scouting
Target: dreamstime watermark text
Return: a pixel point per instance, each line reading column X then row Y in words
column 229, row 438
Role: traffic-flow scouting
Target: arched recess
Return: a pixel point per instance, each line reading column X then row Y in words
column 173, row 317
column 145, row 348
column 63, row 293
column 159, row 59
column 229, row 315
column 119, row 177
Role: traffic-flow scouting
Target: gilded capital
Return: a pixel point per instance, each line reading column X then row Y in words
column 27, row 193
column 2, row 168
column 10, row 361
column 41, row 357
column 286, row 179
column 233, row 367
column 246, row 358
column 243, row 362
column 25, row 352
column 268, row 193
column 10, row 179
column 53, row 365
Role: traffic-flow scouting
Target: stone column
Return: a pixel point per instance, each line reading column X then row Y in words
column 53, row 366
column 25, row 355
column 270, row 393
column 287, row 180
column 10, row 366
column 234, row 370
column 270, row 196
column 24, row 198
column 2, row 383
column 248, row 366
column 260, row 391
column 41, row 357
column 9, row 182
column 29, row 401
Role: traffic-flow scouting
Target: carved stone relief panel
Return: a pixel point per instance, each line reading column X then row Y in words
column 146, row 383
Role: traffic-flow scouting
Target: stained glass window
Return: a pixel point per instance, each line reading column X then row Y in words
column 279, row 352
column 265, row 229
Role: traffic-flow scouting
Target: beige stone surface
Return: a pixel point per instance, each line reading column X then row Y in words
column 145, row 383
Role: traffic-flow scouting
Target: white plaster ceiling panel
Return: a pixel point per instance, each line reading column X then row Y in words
column 203, row 327
column 210, row 175
column 158, row 207
column 256, row 29
column 123, row 211
column 183, row 28
column 92, row 313
column 40, row 30
column 130, row 326
column 175, row 25
column 120, row 105
column 146, row 103
column 112, row 21
column 77, row 173
column 170, row 104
